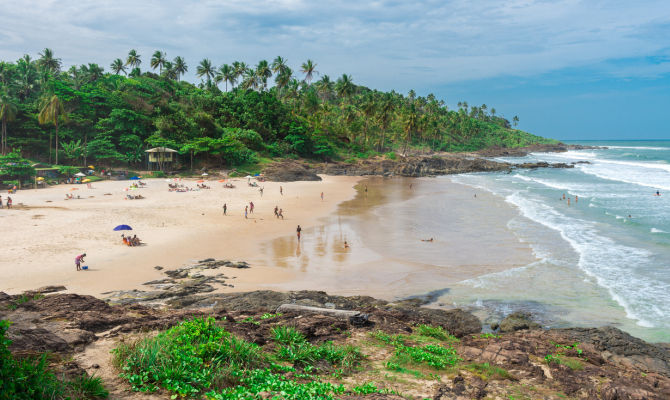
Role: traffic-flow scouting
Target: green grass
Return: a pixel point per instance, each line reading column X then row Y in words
column 486, row 371
column 561, row 359
column 24, row 299
column 438, row 356
column 198, row 358
column 31, row 378
column 293, row 346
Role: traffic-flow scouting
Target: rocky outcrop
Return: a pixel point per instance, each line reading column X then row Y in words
column 602, row 363
column 518, row 321
column 290, row 171
column 417, row 166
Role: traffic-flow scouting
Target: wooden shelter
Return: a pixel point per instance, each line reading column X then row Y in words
column 160, row 158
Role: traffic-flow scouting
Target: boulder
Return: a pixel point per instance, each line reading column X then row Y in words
column 518, row 321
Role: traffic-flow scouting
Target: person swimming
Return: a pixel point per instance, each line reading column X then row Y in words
column 427, row 240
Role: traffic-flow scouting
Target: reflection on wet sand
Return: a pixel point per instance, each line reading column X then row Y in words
column 384, row 227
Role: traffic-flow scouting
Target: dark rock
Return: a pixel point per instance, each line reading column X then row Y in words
column 48, row 289
column 623, row 347
column 518, row 321
column 158, row 267
column 495, row 326
column 289, row 171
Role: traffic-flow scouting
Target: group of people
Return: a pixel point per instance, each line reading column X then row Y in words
column 9, row 202
column 279, row 212
column 135, row 197
column 131, row 241
column 203, row 186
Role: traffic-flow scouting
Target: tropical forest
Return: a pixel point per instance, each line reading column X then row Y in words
column 237, row 114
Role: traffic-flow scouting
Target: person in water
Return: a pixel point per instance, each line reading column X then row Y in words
column 427, row 240
column 658, row 193
column 346, row 245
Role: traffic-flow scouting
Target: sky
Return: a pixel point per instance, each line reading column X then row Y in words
column 569, row 69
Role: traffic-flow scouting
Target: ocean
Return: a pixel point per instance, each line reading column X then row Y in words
column 506, row 242
column 604, row 259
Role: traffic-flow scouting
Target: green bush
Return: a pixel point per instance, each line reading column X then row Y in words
column 30, row 378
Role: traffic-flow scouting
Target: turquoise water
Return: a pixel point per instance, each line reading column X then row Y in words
column 604, row 258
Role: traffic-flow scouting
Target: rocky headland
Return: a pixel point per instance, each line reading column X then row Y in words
column 417, row 165
column 515, row 358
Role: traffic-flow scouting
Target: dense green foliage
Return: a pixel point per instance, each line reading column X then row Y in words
column 14, row 168
column 30, row 378
column 198, row 357
column 86, row 114
column 413, row 350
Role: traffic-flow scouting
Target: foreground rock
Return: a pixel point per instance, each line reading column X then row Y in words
column 603, row 363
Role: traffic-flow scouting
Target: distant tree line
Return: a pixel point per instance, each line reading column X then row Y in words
column 236, row 114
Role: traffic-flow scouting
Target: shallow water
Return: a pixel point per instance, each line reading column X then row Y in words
column 604, row 259
column 516, row 246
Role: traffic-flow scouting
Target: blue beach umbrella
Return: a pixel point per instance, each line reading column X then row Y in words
column 123, row 228
column 134, row 178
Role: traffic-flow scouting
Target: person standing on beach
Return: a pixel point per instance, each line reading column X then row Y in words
column 281, row 213
column 0, row 202
column 281, row 190
column 298, row 230
column 78, row 260
column 321, row 196
column 9, row 202
column 246, row 211
column 251, row 207
column 276, row 211
column 225, row 208
column 261, row 190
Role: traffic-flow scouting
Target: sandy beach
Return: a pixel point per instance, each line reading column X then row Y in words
column 45, row 232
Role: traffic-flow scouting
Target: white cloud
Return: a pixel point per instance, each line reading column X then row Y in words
column 381, row 43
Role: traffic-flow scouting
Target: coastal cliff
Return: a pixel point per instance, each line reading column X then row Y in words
column 519, row 360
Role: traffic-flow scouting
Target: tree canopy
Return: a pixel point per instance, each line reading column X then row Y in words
column 112, row 118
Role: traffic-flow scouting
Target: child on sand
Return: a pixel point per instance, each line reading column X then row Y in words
column 78, row 260
column 246, row 211
column 9, row 202
column 298, row 230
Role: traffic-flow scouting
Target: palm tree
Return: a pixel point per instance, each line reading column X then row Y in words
column 117, row 66
column 283, row 78
column 158, row 61
column 369, row 108
column 169, row 71
column 325, row 87
column 134, row 60
column 250, row 80
column 344, row 86
column 27, row 76
column 409, row 126
column 240, row 68
column 385, row 113
column 94, row 72
column 279, row 65
column 226, row 73
column 8, row 112
column 515, row 120
column 51, row 111
column 309, row 69
column 206, row 69
column 263, row 72
column 493, row 112
column 180, row 67
column 48, row 61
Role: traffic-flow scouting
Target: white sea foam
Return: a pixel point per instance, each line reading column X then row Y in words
column 639, row 147
column 650, row 175
column 655, row 230
column 603, row 259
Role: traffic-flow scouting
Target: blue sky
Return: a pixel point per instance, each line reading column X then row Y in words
column 569, row 69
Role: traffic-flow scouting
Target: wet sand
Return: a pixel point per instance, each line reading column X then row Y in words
column 384, row 228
